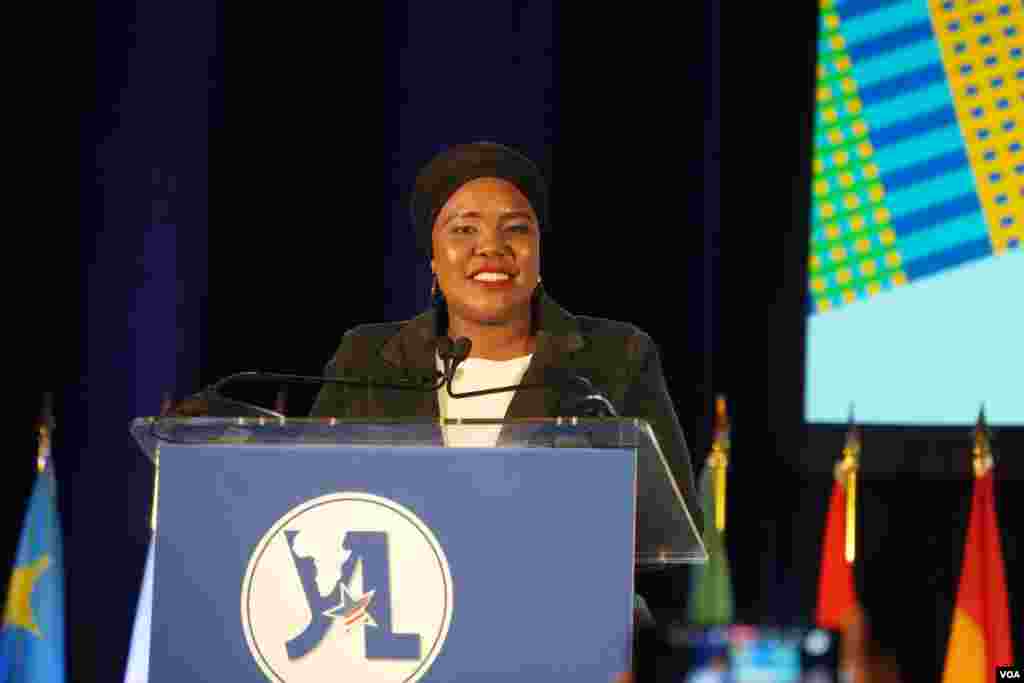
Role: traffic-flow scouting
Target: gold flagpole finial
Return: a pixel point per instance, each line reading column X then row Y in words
column 718, row 460
column 721, row 422
column 851, row 448
column 846, row 472
column 45, row 427
column 981, row 453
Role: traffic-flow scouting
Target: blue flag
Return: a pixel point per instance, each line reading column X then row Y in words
column 32, row 634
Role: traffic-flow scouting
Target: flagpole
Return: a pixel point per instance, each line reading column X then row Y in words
column 711, row 600
column 848, row 467
column 45, row 429
column 980, row 634
column 718, row 460
column 982, row 459
column 852, row 633
column 33, row 633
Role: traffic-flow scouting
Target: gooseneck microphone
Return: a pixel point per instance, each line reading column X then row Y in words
column 459, row 352
column 580, row 399
column 210, row 402
column 451, row 354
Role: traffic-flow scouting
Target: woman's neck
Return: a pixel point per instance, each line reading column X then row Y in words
column 494, row 341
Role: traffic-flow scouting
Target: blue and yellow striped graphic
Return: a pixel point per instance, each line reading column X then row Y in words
column 918, row 164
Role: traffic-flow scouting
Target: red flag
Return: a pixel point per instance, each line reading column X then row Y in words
column 837, row 598
column 979, row 639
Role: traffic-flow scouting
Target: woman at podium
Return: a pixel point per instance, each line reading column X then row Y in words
column 478, row 211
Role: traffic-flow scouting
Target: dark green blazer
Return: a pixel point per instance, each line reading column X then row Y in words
column 620, row 359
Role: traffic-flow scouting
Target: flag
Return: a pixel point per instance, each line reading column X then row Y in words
column 979, row 639
column 837, row 598
column 711, row 599
column 138, row 654
column 32, row 633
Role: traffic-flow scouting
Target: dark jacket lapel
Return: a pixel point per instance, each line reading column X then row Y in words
column 558, row 336
column 413, row 349
column 411, row 353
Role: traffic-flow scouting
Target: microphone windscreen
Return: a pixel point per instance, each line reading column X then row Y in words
column 461, row 348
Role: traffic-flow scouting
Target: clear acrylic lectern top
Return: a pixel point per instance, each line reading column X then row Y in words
column 665, row 531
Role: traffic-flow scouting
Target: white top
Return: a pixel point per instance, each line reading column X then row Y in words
column 474, row 374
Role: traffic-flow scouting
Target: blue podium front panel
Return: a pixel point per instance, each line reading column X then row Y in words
column 365, row 565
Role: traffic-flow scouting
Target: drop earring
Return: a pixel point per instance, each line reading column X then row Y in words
column 436, row 296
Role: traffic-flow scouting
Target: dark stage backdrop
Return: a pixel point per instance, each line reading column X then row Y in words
column 243, row 179
column 116, row 105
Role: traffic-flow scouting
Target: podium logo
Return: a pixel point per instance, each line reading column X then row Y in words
column 347, row 587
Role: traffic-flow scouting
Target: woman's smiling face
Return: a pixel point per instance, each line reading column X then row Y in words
column 486, row 255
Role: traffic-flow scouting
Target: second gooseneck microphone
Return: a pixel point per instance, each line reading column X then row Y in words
column 452, row 353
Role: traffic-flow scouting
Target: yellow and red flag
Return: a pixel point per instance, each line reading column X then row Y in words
column 979, row 639
column 837, row 597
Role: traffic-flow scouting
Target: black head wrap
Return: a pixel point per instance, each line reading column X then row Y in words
column 455, row 167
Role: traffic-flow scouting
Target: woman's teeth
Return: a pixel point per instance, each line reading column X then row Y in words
column 491, row 277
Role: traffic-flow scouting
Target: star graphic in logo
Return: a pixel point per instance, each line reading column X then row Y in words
column 352, row 610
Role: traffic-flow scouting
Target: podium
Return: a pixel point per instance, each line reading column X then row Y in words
column 294, row 550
